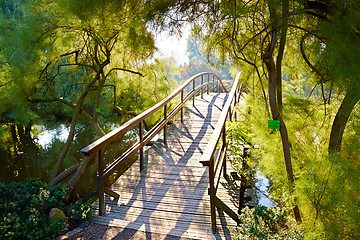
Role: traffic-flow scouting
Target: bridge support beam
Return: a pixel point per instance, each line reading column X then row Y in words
column 111, row 193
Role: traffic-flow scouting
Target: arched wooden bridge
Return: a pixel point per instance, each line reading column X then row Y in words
column 179, row 186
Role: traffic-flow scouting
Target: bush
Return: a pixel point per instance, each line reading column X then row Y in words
column 25, row 207
column 266, row 223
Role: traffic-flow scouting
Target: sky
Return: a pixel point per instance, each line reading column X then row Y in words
column 173, row 46
column 169, row 46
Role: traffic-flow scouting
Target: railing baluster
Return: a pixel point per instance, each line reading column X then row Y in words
column 235, row 102
column 141, row 138
column 202, row 82
column 224, row 149
column 208, row 159
column 165, row 126
column 208, row 84
column 98, row 147
column 101, row 182
column 213, row 79
column 194, row 92
column 212, row 193
column 182, row 108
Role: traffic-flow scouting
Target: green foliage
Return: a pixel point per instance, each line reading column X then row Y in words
column 238, row 136
column 25, row 207
column 66, row 64
column 266, row 223
column 328, row 195
column 326, row 186
column 199, row 62
column 63, row 55
column 238, row 133
column 314, row 77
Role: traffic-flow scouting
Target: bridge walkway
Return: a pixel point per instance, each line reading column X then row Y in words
column 170, row 196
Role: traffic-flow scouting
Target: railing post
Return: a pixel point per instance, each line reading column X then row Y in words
column 202, row 82
column 235, row 115
column 141, row 138
column 213, row 83
column 208, row 86
column 212, row 194
column 224, row 150
column 101, row 183
column 182, row 108
column 194, row 92
column 165, row 117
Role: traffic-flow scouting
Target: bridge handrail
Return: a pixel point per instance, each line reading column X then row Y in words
column 215, row 156
column 99, row 146
column 108, row 138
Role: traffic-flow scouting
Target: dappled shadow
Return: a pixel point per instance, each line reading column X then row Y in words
column 178, row 181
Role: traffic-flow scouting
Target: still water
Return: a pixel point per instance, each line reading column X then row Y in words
column 32, row 153
column 259, row 195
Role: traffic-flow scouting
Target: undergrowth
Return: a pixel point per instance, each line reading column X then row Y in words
column 25, row 207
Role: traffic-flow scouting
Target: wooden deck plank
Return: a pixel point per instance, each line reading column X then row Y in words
column 170, row 195
column 177, row 229
column 162, row 202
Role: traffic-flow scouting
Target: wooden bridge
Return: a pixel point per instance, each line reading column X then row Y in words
column 180, row 185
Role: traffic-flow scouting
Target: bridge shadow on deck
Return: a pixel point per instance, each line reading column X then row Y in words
column 179, row 174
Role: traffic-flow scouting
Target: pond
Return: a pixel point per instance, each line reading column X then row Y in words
column 32, row 153
column 259, row 194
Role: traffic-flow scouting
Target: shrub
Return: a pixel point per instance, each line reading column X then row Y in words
column 25, row 207
column 266, row 223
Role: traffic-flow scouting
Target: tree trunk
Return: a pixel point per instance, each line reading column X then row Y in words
column 342, row 116
column 270, row 65
column 68, row 142
column 75, row 116
column 279, row 58
column 80, row 172
column 64, row 175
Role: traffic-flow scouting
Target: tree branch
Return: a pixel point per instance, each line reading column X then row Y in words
column 125, row 70
column 64, row 175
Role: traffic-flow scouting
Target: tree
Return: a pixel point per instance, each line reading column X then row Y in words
column 338, row 63
column 74, row 64
column 199, row 62
column 266, row 38
column 232, row 29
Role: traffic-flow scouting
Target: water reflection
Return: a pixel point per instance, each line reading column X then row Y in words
column 20, row 155
column 263, row 184
column 32, row 153
column 45, row 137
column 258, row 191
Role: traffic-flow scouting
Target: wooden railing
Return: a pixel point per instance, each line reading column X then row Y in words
column 198, row 84
column 215, row 156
